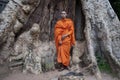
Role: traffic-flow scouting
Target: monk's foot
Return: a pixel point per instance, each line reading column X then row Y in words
column 58, row 65
column 61, row 69
column 67, row 68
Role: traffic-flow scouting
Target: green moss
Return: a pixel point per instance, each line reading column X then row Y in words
column 103, row 64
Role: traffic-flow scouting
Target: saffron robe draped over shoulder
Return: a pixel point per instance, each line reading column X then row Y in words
column 62, row 27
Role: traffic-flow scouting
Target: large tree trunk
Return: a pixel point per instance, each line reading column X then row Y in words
column 96, row 28
column 102, row 31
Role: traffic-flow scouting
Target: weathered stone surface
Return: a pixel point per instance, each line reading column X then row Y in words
column 26, row 9
column 72, row 76
column 17, row 26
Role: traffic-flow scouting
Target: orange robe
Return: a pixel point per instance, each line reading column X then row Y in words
column 64, row 26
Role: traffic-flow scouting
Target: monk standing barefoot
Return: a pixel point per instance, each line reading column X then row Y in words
column 64, row 39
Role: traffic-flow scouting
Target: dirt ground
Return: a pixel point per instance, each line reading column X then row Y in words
column 52, row 75
column 16, row 74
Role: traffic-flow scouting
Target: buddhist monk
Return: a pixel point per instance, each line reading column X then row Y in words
column 64, row 39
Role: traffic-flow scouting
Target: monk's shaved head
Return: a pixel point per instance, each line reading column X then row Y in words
column 63, row 14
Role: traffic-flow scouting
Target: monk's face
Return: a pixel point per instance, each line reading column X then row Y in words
column 63, row 14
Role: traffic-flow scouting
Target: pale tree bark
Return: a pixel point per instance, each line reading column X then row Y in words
column 102, row 31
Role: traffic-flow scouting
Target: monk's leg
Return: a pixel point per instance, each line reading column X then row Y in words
column 59, row 55
column 65, row 54
column 59, row 60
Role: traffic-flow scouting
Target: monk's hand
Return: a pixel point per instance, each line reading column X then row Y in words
column 64, row 36
column 60, row 42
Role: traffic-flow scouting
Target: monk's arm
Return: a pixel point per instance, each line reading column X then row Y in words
column 71, row 32
column 57, row 33
column 71, row 29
